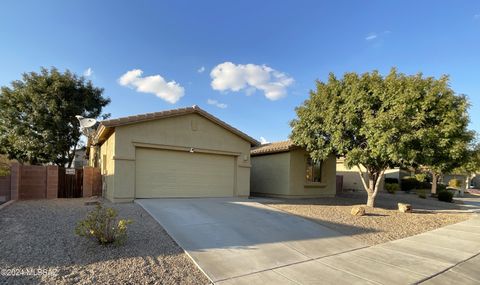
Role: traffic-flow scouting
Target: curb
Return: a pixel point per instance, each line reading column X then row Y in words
column 6, row 204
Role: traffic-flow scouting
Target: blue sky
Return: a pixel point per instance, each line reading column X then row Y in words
column 258, row 50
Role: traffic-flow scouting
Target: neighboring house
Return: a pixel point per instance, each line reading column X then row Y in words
column 281, row 169
column 473, row 180
column 184, row 152
column 353, row 181
column 79, row 161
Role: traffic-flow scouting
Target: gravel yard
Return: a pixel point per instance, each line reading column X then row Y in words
column 382, row 223
column 39, row 235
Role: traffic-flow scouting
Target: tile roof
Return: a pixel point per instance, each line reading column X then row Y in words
column 274, row 147
column 112, row 123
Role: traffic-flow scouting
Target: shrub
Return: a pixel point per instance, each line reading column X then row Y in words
column 391, row 187
column 455, row 183
column 445, row 196
column 101, row 224
column 408, row 183
column 422, row 193
column 391, row 180
column 411, row 182
column 424, row 185
column 441, row 187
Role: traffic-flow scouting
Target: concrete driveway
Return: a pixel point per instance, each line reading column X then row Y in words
column 230, row 238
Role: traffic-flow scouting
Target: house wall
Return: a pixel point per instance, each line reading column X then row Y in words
column 271, row 174
column 447, row 177
column 180, row 133
column 300, row 188
column 352, row 180
column 107, row 166
column 283, row 175
column 351, row 176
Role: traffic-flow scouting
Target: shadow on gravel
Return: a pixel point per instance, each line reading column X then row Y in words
column 383, row 200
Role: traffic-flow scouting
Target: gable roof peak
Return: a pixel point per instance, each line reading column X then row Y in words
column 109, row 125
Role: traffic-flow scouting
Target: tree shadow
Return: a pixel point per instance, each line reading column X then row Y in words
column 40, row 234
column 383, row 201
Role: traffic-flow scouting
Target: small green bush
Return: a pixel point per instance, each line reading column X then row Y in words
column 455, row 183
column 408, row 183
column 424, row 185
column 422, row 193
column 445, row 196
column 391, row 180
column 391, row 187
column 101, row 224
column 441, row 187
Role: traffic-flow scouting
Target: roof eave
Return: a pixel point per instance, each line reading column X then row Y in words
column 111, row 124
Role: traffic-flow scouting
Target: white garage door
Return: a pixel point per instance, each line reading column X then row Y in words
column 168, row 173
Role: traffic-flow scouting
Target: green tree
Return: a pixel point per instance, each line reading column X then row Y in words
column 4, row 165
column 471, row 164
column 440, row 135
column 372, row 120
column 37, row 115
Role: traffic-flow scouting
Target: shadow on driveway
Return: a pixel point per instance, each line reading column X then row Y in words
column 232, row 237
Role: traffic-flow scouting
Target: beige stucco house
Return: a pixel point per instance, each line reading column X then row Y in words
column 178, row 153
column 283, row 170
column 352, row 180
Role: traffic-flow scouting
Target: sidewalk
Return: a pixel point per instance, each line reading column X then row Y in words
column 444, row 256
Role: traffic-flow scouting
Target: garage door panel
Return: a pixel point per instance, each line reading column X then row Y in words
column 168, row 173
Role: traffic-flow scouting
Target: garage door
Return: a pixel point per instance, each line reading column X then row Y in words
column 168, row 173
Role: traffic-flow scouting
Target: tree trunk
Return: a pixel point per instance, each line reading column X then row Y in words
column 372, row 187
column 466, row 186
column 434, row 183
column 371, row 199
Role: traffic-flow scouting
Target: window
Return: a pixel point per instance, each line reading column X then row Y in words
column 314, row 171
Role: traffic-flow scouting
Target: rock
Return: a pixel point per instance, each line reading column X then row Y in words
column 358, row 211
column 404, row 208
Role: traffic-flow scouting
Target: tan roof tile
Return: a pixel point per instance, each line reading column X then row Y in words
column 274, row 147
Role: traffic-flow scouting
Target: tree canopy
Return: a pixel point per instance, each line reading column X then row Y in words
column 441, row 136
column 4, row 165
column 379, row 121
column 37, row 115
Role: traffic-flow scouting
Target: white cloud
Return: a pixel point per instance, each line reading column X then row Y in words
column 263, row 140
column 169, row 91
column 249, row 77
column 371, row 36
column 201, row 69
column 88, row 72
column 217, row 104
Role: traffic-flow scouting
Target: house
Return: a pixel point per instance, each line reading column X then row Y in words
column 282, row 169
column 79, row 160
column 353, row 181
column 184, row 152
column 468, row 181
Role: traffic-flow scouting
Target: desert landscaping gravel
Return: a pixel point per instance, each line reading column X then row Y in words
column 380, row 224
column 39, row 235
